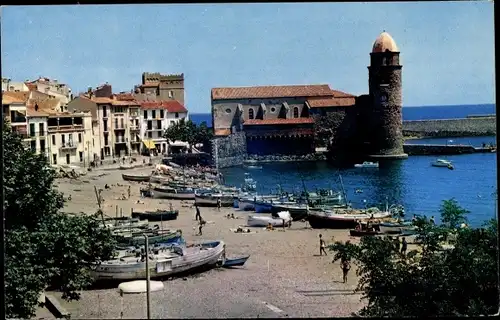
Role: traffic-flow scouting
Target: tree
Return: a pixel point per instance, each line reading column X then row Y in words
column 429, row 281
column 189, row 132
column 43, row 247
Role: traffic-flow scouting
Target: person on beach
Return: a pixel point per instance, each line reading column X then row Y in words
column 218, row 204
column 397, row 244
column 322, row 246
column 432, row 220
column 200, row 227
column 404, row 246
column 345, row 266
column 198, row 214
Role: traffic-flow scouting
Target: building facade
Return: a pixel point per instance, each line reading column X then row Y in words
column 13, row 86
column 280, row 119
column 53, row 88
column 159, row 87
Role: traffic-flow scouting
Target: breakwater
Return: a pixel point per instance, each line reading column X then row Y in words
column 230, row 150
column 436, row 149
column 465, row 127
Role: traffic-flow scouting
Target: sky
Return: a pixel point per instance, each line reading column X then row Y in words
column 447, row 48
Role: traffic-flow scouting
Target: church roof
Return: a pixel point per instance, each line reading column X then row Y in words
column 383, row 43
column 271, row 92
column 278, row 121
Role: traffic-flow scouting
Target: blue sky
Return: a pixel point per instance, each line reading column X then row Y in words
column 447, row 48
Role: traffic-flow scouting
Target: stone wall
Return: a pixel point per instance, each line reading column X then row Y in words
column 434, row 149
column 230, row 150
column 451, row 127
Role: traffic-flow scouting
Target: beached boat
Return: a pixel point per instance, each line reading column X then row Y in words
column 341, row 218
column 163, row 261
column 127, row 166
column 166, row 236
column 210, row 199
column 136, row 177
column 396, row 227
column 362, row 233
column 366, row 164
column 158, row 215
column 298, row 211
column 264, row 221
column 235, row 262
column 159, row 179
column 248, row 203
column 173, row 193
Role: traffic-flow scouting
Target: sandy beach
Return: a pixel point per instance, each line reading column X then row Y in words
column 285, row 276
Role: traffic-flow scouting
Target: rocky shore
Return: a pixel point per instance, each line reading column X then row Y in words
column 286, row 158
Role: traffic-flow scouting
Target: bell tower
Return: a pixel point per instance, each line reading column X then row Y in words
column 385, row 85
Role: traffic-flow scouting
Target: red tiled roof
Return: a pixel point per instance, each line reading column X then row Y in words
column 124, row 97
column 9, row 97
column 278, row 121
column 332, row 102
column 169, row 105
column 316, row 90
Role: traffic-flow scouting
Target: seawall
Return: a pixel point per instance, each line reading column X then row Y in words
column 435, row 149
column 230, row 150
column 465, row 127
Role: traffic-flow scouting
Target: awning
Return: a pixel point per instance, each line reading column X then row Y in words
column 149, row 144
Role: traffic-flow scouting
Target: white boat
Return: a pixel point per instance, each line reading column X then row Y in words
column 163, row 261
column 366, row 164
column 264, row 221
column 341, row 218
column 441, row 163
column 394, row 227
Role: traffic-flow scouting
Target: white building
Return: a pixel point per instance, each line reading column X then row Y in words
column 156, row 116
column 13, row 86
column 52, row 88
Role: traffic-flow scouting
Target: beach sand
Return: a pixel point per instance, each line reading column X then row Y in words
column 285, row 276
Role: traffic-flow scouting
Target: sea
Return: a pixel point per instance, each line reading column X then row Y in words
column 413, row 183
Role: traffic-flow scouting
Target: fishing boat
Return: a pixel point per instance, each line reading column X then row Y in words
column 173, row 193
column 396, row 227
column 163, row 261
column 158, row 215
column 248, row 203
column 210, row 199
column 264, row 221
column 127, row 166
column 442, row 163
column 235, row 262
column 166, row 236
column 298, row 211
column 137, row 177
column 362, row 233
column 159, row 179
column 341, row 218
column 366, row 164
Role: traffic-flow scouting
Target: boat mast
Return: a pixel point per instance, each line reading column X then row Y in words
column 343, row 189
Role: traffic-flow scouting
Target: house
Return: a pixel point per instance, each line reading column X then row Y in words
column 53, row 88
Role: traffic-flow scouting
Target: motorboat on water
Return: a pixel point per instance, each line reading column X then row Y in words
column 442, row 163
column 366, row 164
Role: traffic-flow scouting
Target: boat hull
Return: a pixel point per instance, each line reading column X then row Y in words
column 156, row 216
column 246, row 205
column 362, row 233
column 211, row 201
column 392, row 228
column 237, row 262
column 208, row 256
column 140, row 241
column 264, row 221
column 297, row 213
column 263, row 207
column 129, row 177
column 338, row 221
column 159, row 194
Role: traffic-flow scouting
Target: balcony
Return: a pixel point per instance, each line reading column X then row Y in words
column 17, row 120
column 134, row 128
column 119, row 128
column 154, row 129
column 68, row 146
column 74, row 127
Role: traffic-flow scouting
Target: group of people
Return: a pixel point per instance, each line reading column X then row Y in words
column 345, row 265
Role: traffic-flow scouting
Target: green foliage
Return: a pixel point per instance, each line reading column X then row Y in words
column 189, row 132
column 326, row 128
column 429, row 281
column 43, row 247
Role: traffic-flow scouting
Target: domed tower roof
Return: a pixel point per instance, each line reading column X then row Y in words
column 383, row 43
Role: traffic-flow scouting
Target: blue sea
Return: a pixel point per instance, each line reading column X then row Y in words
column 413, row 183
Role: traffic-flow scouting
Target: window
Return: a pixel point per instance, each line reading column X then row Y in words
column 42, row 146
column 153, row 114
column 228, row 111
column 105, row 125
column 70, row 138
column 145, row 114
column 53, row 139
column 273, row 109
column 296, row 112
column 104, row 112
column 40, row 129
column 79, row 138
column 106, row 140
column 81, row 156
column 158, row 124
column 33, row 145
column 54, row 158
column 162, row 114
column 122, row 122
column 118, row 109
column 116, row 123
column 150, row 134
column 150, row 125
column 170, row 94
column 177, row 114
column 160, row 134
column 136, row 122
column 250, row 113
column 93, row 144
column 63, row 139
column 32, row 129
